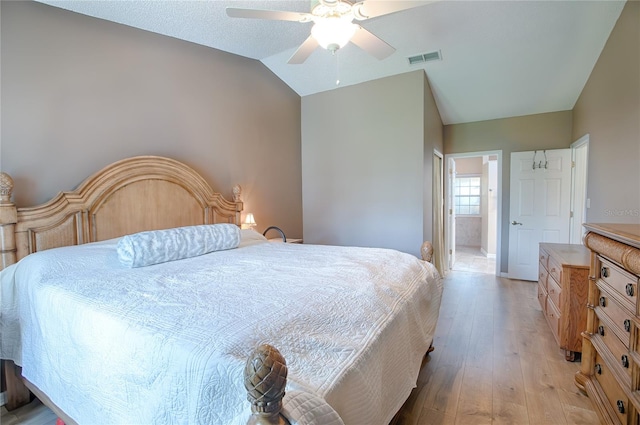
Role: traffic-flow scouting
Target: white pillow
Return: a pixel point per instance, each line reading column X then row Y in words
column 250, row 237
column 159, row 246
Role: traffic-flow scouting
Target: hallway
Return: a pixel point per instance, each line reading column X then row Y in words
column 471, row 259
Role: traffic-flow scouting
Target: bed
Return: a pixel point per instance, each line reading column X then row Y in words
column 339, row 332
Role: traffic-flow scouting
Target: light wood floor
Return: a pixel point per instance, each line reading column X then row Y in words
column 470, row 259
column 495, row 362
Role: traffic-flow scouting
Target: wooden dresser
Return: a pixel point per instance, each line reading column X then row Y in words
column 563, row 282
column 610, row 370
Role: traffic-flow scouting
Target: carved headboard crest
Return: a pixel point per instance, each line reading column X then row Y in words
column 128, row 196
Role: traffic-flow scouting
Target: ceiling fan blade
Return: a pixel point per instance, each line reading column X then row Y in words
column 304, row 51
column 274, row 15
column 371, row 44
column 372, row 8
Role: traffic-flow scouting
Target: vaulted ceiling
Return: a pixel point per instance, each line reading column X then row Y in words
column 499, row 58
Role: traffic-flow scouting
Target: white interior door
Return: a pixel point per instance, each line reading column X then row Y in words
column 451, row 240
column 539, row 207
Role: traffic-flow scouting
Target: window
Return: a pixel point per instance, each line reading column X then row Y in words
column 467, row 195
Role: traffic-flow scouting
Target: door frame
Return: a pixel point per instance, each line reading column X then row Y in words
column 450, row 248
column 439, row 244
column 577, row 180
column 447, row 206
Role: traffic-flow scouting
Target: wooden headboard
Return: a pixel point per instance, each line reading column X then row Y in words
column 128, row 196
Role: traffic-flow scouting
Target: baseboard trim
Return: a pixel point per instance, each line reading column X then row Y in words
column 486, row 254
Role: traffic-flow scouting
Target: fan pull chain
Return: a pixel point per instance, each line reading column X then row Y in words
column 335, row 53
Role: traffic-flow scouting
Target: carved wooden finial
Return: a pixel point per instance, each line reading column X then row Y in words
column 237, row 193
column 6, row 188
column 265, row 378
column 426, row 251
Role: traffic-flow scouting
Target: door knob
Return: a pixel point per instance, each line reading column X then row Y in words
column 516, row 223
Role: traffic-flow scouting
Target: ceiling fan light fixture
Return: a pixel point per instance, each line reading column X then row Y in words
column 332, row 32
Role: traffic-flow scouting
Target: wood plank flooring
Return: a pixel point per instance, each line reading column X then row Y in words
column 495, row 362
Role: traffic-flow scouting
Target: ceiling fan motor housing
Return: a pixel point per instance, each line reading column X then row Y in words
column 329, row 3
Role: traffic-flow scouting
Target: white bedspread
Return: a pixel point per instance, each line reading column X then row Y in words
column 167, row 344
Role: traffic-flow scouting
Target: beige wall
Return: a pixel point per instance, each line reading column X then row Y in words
column 609, row 111
column 469, row 165
column 527, row 133
column 79, row 93
column 363, row 163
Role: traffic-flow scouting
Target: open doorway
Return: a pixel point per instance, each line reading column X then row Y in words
column 473, row 206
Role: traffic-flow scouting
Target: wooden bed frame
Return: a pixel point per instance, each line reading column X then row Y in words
column 129, row 196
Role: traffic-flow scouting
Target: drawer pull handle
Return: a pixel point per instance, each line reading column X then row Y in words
column 625, row 361
column 604, row 271
column 620, row 404
column 627, row 325
column 598, row 369
column 629, row 289
column 601, row 330
column 603, row 302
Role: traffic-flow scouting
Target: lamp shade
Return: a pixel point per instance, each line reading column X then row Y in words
column 249, row 222
column 333, row 32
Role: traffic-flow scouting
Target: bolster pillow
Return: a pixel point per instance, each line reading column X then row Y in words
column 159, row 246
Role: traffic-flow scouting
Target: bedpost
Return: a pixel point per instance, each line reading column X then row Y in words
column 426, row 251
column 265, row 378
column 237, row 199
column 8, row 220
column 17, row 393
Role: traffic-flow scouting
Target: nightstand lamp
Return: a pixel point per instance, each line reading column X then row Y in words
column 249, row 222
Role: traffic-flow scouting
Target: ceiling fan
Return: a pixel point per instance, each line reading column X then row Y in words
column 333, row 24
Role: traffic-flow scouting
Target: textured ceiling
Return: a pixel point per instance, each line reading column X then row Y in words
column 499, row 58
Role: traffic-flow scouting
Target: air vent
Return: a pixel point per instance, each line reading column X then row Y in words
column 425, row 57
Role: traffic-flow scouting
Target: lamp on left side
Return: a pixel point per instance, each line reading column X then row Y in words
column 249, row 222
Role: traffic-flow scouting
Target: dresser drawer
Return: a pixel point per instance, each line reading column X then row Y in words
column 614, row 393
column 542, row 298
column 553, row 290
column 544, row 258
column 543, row 275
column 555, row 269
column 616, row 347
column 620, row 317
column 553, row 318
column 623, row 283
